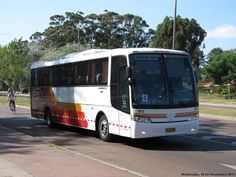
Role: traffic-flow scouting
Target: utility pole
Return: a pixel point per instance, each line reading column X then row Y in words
column 173, row 41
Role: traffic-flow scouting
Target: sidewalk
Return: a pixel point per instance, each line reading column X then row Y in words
column 8, row 169
column 26, row 156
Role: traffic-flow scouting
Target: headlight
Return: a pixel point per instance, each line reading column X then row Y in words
column 141, row 119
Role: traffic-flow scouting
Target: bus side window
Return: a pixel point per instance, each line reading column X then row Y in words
column 81, row 73
column 93, row 72
column 81, row 80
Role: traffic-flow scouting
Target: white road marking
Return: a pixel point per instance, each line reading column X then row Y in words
column 102, row 162
column 229, row 166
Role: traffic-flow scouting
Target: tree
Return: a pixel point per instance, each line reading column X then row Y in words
column 62, row 30
column 222, row 68
column 188, row 37
column 214, row 53
column 3, row 52
column 62, row 51
column 106, row 30
column 15, row 64
column 134, row 31
column 37, row 37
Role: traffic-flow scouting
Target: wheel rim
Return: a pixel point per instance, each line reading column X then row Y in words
column 48, row 119
column 103, row 127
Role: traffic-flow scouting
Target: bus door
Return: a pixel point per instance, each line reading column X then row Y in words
column 123, row 103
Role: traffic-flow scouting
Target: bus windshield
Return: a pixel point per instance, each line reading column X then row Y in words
column 160, row 80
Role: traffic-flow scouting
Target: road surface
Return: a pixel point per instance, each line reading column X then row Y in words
column 29, row 148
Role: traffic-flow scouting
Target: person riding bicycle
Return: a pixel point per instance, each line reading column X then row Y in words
column 11, row 98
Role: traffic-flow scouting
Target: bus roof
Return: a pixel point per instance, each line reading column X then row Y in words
column 100, row 53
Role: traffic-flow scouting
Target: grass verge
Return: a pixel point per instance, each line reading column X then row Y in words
column 219, row 111
column 23, row 101
column 215, row 98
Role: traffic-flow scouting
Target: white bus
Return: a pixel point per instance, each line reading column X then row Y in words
column 136, row 92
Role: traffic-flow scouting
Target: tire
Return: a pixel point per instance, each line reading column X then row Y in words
column 103, row 129
column 48, row 118
column 12, row 107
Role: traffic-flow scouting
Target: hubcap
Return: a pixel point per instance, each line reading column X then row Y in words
column 48, row 119
column 103, row 127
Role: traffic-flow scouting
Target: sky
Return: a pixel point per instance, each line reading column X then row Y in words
column 22, row 18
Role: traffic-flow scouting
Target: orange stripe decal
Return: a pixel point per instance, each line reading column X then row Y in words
column 150, row 115
column 186, row 114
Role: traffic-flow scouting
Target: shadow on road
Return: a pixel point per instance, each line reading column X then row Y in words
column 19, row 133
column 179, row 143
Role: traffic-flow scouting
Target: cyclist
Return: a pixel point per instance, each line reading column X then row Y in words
column 11, row 98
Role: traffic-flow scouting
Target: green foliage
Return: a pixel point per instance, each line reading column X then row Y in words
column 15, row 64
column 107, row 30
column 214, row 53
column 222, row 68
column 228, row 92
column 17, row 57
column 188, row 37
column 62, row 51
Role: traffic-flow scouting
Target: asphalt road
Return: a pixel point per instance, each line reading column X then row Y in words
column 27, row 143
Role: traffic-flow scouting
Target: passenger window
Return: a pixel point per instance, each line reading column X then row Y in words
column 98, row 72
column 81, row 73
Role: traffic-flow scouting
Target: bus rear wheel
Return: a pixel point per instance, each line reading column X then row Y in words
column 48, row 118
column 103, row 129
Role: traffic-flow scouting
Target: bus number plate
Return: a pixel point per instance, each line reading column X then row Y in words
column 169, row 130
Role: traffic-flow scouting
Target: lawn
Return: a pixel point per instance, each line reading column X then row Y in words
column 215, row 98
column 218, row 99
column 218, row 111
column 23, row 101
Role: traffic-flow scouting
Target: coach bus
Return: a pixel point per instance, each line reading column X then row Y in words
column 135, row 92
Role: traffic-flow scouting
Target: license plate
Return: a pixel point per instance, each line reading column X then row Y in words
column 169, row 130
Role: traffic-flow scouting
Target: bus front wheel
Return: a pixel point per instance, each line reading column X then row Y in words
column 103, row 129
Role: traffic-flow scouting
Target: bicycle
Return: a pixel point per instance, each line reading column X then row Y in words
column 12, row 106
